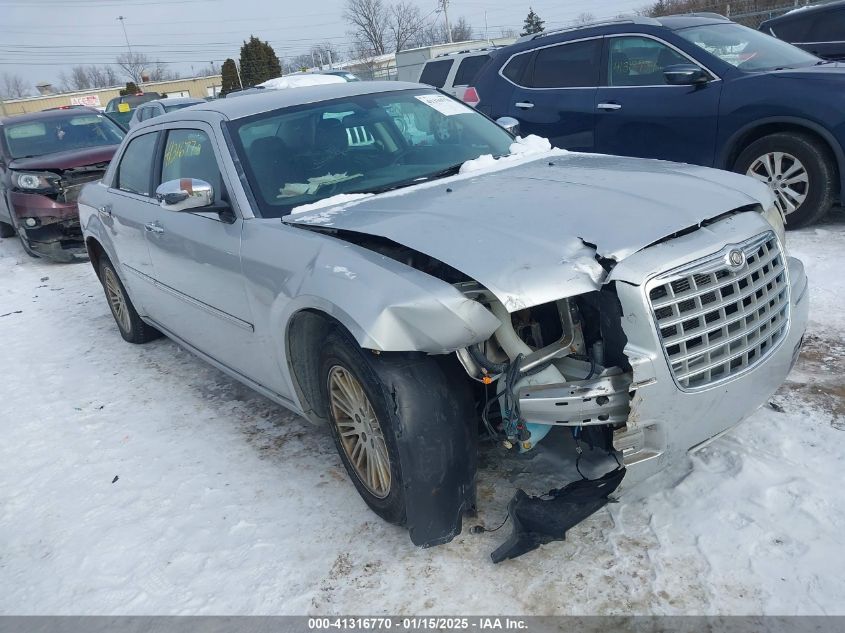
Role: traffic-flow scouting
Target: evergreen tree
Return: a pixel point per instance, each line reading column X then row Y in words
column 533, row 23
column 229, row 79
column 258, row 62
column 131, row 89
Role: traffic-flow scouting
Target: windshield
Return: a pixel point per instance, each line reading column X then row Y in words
column 363, row 144
column 747, row 49
column 60, row 134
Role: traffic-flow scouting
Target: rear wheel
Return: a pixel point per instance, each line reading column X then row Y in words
column 6, row 230
column 799, row 171
column 132, row 328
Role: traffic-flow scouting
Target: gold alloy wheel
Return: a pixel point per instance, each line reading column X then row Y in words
column 117, row 301
column 359, row 430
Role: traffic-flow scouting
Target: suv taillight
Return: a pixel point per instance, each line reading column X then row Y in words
column 471, row 97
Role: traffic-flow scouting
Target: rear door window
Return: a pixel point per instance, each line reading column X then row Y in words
column 574, row 65
column 135, row 172
column 435, row 73
column 468, row 68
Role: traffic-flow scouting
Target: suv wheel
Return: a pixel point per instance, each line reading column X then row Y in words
column 6, row 230
column 132, row 328
column 799, row 171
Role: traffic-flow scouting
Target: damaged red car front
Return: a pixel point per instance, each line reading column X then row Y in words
column 45, row 159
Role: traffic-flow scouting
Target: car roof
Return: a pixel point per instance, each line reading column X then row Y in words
column 46, row 115
column 175, row 100
column 269, row 99
column 673, row 22
column 801, row 11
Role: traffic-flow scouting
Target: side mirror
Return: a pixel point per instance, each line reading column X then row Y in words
column 185, row 194
column 509, row 124
column 685, row 75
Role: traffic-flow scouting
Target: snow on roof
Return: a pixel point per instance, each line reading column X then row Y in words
column 299, row 81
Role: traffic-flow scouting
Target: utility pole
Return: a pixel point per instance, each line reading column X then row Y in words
column 238, row 71
column 444, row 4
column 126, row 37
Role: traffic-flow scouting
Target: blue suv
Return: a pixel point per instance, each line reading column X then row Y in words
column 693, row 88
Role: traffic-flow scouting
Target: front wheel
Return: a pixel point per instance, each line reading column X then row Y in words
column 799, row 171
column 6, row 230
column 363, row 427
column 132, row 328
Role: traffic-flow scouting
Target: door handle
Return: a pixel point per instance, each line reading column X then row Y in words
column 524, row 105
column 609, row 106
column 105, row 209
column 153, row 227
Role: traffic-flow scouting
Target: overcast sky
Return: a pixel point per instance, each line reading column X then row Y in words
column 40, row 38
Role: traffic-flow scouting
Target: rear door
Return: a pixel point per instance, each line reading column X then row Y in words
column 196, row 257
column 131, row 207
column 638, row 114
column 555, row 89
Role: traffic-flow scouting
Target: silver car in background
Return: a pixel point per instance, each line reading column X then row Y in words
column 382, row 258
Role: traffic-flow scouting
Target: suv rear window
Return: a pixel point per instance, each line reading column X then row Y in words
column 468, row 69
column 435, row 73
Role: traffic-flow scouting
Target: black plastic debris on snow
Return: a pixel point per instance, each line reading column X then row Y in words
column 540, row 520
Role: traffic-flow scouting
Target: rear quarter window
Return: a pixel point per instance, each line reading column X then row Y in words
column 515, row 68
column 435, row 73
column 468, row 68
column 134, row 173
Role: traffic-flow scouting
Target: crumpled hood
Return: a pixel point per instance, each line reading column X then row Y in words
column 531, row 233
column 66, row 160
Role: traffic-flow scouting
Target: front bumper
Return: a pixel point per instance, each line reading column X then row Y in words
column 665, row 421
column 50, row 228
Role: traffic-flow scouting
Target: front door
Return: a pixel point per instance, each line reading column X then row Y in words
column 196, row 259
column 638, row 114
column 127, row 214
column 555, row 93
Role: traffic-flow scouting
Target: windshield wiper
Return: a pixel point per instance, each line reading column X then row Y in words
column 448, row 171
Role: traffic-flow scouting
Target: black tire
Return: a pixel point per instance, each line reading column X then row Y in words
column 341, row 352
column 818, row 163
column 132, row 328
column 6, row 230
column 25, row 244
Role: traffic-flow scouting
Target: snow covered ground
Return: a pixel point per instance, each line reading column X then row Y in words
column 139, row 480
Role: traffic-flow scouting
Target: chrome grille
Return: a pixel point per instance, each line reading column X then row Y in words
column 717, row 320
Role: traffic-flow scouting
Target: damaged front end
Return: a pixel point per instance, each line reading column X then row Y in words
column 559, row 364
column 45, row 212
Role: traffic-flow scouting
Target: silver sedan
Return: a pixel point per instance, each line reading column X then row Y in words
column 383, row 259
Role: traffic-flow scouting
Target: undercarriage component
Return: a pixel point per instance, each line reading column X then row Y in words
column 602, row 400
column 537, row 520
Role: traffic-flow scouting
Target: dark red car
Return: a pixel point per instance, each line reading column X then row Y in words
column 45, row 159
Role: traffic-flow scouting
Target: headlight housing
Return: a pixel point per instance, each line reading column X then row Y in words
column 35, row 181
column 774, row 217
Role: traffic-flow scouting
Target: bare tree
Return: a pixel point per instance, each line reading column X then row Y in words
column 102, row 76
column 133, row 65
column 461, row 30
column 508, row 32
column 369, row 20
column 160, row 72
column 584, row 18
column 14, row 86
column 405, row 24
